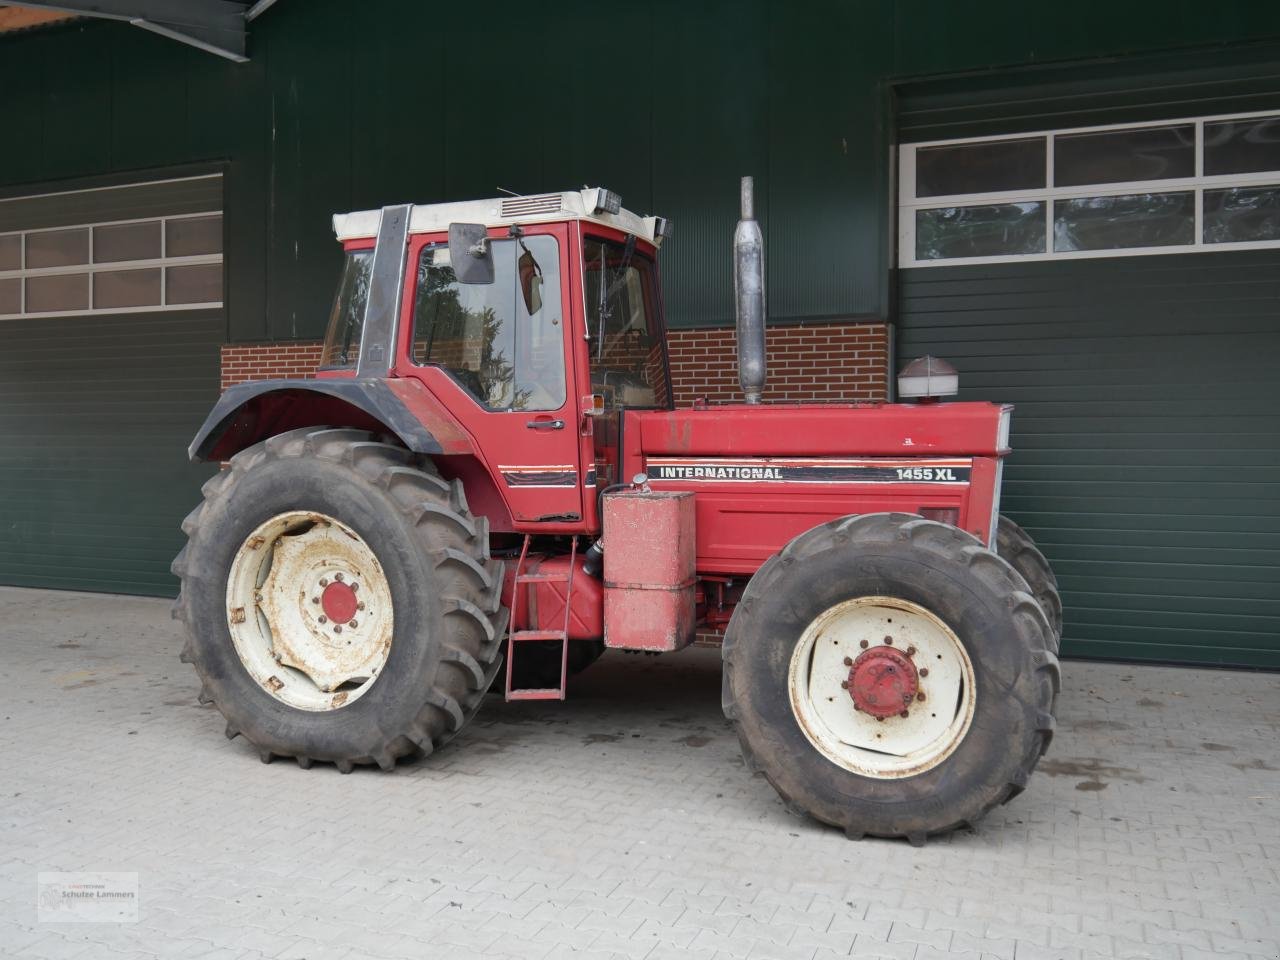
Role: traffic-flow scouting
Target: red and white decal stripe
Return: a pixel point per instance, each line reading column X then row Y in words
column 949, row 470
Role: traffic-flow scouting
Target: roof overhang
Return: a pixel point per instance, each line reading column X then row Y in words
column 215, row 26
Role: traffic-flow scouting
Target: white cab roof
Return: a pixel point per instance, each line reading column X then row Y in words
column 504, row 211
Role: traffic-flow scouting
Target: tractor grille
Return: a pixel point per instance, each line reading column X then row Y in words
column 528, row 206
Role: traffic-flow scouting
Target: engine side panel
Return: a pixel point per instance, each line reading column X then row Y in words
column 762, row 477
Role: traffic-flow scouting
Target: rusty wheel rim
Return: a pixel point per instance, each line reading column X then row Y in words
column 309, row 611
column 882, row 687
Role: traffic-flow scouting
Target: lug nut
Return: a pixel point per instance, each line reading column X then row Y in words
column 856, row 708
column 323, row 618
column 924, row 671
column 864, row 644
column 338, row 577
column 354, row 586
column 844, row 684
column 888, row 641
column 337, row 628
column 360, row 605
column 879, row 719
column 905, row 713
column 848, row 662
column 911, row 651
column 315, row 599
column 920, row 696
column 324, row 581
column 353, row 624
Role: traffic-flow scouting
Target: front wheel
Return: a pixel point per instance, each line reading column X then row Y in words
column 1016, row 546
column 339, row 600
column 891, row 676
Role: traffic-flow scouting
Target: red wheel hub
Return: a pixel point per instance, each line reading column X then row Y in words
column 339, row 602
column 883, row 681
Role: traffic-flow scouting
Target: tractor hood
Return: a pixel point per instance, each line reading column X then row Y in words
column 869, row 430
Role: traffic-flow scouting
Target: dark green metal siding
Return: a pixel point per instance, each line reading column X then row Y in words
column 1146, row 437
column 95, row 416
column 345, row 106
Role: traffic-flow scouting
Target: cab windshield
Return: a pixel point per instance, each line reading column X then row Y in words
column 624, row 332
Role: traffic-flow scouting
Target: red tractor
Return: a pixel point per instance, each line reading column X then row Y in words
column 489, row 462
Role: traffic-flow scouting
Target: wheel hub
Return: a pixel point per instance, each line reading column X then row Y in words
column 339, row 601
column 852, row 700
column 883, row 682
column 309, row 610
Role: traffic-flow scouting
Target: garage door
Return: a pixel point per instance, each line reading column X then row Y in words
column 111, row 314
column 1121, row 286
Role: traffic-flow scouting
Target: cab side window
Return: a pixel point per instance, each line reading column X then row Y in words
column 502, row 342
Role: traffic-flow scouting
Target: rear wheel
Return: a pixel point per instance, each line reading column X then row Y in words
column 891, row 676
column 1016, row 547
column 339, row 600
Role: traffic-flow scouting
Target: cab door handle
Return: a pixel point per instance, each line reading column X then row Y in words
column 545, row 424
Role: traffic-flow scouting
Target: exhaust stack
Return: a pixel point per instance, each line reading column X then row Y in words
column 748, row 296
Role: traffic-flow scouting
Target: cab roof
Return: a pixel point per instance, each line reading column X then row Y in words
column 593, row 204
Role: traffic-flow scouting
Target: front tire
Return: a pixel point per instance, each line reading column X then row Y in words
column 904, row 592
column 1016, row 547
column 328, row 505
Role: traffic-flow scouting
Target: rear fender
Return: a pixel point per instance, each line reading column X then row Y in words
column 251, row 412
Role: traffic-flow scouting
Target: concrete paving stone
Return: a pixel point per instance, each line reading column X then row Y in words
column 870, row 947
column 715, row 922
column 513, row 947
column 929, row 953
column 987, row 946
column 1021, row 932
column 1133, row 950
column 1034, row 951
column 536, row 831
column 652, row 930
column 1259, row 948
column 835, row 941
column 906, row 933
column 864, row 928
column 667, row 952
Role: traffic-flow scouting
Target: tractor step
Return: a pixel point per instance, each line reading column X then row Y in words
column 534, row 693
column 515, row 637
column 521, row 635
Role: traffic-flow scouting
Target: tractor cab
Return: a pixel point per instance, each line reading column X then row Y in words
column 534, row 320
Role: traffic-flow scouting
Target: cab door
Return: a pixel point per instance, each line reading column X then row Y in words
column 497, row 355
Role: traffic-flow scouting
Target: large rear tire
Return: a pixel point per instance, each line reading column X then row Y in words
column 331, row 521
column 905, row 596
column 1016, row 546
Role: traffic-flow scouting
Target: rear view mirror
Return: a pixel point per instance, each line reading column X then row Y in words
column 470, row 253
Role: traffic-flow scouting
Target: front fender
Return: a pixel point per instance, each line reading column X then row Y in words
column 251, row 412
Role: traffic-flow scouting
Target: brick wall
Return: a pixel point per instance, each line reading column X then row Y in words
column 817, row 361
column 268, row 361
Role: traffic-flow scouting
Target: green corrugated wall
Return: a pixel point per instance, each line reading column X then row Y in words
column 1146, row 437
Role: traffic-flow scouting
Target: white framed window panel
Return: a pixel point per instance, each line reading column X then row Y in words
column 164, row 261
column 909, row 203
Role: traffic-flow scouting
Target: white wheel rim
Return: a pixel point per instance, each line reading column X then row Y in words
column 289, row 580
column 887, row 628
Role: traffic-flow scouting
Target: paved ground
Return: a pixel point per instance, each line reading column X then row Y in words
column 621, row 823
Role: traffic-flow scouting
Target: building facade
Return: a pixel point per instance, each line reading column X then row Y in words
column 1079, row 206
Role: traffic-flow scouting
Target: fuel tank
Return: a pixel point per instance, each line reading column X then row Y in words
column 649, row 570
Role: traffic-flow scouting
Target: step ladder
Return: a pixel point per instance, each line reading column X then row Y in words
column 517, row 637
